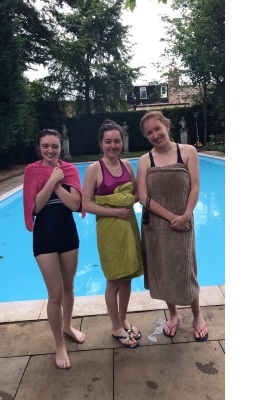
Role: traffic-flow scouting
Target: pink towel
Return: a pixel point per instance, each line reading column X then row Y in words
column 36, row 176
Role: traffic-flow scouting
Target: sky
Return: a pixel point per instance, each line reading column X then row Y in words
column 146, row 29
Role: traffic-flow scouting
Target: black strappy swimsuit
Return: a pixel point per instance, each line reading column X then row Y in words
column 179, row 160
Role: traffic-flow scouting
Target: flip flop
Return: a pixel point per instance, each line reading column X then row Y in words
column 135, row 336
column 119, row 337
column 200, row 339
column 170, row 328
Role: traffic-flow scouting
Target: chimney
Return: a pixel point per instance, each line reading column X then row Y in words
column 173, row 78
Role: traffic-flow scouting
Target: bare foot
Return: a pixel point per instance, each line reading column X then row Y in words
column 170, row 327
column 62, row 361
column 200, row 328
column 76, row 335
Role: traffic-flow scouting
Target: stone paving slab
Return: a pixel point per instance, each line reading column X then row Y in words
column 176, row 368
column 89, row 378
column 11, row 372
column 31, row 338
column 190, row 371
column 150, row 323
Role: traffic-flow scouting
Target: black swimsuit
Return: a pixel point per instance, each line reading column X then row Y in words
column 179, row 160
column 54, row 228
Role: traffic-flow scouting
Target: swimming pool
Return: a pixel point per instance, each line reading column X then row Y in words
column 21, row 280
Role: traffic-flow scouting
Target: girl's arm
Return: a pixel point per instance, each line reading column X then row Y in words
column 70, row 199
column 155, row 207
column 190, row 157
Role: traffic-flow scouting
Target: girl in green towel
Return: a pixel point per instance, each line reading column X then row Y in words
column 109, row 192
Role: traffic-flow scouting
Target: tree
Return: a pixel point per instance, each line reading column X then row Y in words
column 49, row 109
column 196, row 41
column 91, row 56
column 23, row 40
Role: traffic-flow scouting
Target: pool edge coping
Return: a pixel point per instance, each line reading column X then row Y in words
column 36, row 310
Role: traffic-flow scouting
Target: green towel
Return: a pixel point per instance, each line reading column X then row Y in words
column 118, row 240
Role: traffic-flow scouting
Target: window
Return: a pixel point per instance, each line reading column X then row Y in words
column 163, row 91
column 143, row 93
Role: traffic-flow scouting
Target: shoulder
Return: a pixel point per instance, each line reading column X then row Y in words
column 144, row 157
column 144, row 160
column 94, row 167
column 188, row 150
column 126, row 163
column 128, row 166
column 32, row 166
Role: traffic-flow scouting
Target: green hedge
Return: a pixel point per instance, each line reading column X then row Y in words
column 83, row 131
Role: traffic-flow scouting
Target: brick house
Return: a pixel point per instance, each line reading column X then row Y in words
column 162, row 95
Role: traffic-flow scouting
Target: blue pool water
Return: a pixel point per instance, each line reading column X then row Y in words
column 20, row 278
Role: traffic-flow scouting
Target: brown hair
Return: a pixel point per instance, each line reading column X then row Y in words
column 109, row 125
column 46, row 132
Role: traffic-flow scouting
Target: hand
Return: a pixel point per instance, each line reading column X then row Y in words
column 57, row 174
column 124, row 213
column 180, row 223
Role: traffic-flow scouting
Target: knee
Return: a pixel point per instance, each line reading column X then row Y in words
column 56, row 298
column 113, row 286
column 68, row 287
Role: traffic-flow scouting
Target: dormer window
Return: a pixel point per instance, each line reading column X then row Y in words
column 143, row 93
column 163, row 91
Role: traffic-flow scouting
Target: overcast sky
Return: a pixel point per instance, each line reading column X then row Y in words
column 147, row 29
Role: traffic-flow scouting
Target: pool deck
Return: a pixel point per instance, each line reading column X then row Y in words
column 161, row 368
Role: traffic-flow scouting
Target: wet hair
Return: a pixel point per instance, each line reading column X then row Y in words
column 46, row 132
column 154, row 114
column 109, row 125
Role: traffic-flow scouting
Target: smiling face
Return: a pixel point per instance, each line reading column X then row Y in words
column 50, row 149
column 112, row 143
column 156, row 131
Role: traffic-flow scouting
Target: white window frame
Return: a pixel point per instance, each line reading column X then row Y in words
column 162, row 93
column 143, row 91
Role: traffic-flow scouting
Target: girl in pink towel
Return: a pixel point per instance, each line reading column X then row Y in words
column 51, row 192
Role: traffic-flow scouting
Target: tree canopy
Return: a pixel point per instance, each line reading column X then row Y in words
column 24, row 40
column 91, row 55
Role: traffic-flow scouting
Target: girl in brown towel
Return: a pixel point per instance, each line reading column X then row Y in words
column 168, row 186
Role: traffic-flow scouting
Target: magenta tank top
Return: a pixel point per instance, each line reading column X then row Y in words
column 110, row 182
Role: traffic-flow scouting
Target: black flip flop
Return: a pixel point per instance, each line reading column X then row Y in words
column 135, row 336
column 119, row 337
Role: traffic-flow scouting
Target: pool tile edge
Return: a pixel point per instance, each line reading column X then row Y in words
column 95, row 305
